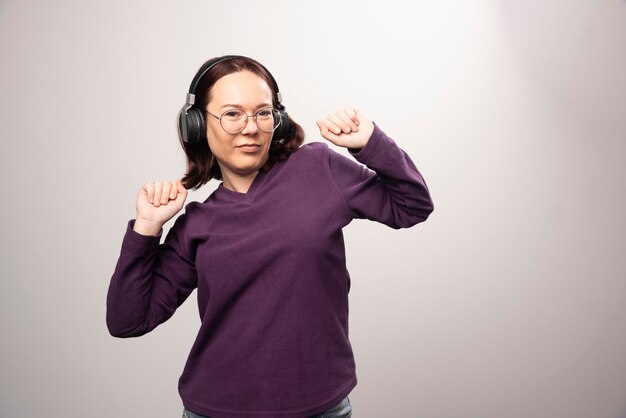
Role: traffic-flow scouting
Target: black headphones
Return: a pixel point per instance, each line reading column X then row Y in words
column 191, row 119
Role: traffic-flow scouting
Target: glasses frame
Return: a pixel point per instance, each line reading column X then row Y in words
column 272, row 108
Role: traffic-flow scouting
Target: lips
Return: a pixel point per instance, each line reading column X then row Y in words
column 250, row 148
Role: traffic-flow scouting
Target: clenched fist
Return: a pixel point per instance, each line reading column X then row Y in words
column 157, row 203
column 347, row 127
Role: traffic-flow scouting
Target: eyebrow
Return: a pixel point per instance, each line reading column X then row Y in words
column 241, row 107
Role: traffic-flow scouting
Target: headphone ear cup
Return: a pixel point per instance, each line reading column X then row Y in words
column 281, row 133
column 192, row 126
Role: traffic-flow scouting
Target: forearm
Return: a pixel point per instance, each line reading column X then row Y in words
column 130, row 289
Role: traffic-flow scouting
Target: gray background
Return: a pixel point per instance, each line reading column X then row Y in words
column 509, row 301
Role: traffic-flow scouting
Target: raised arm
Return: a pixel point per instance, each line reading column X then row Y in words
column 390, row 190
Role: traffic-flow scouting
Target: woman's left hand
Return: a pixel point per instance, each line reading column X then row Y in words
column 348, row 128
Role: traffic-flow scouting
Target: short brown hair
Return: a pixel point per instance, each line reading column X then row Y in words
column 201, row 165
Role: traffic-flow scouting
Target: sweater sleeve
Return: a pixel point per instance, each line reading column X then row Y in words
column 394, row 193
column 150, row 281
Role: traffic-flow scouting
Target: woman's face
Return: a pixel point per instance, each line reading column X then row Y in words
column 246, row 91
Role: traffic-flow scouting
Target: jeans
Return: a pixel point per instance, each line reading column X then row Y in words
column 342, row 410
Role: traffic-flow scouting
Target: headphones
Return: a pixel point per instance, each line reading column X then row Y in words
column 192, row 121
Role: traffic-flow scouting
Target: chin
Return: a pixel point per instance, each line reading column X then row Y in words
column 250, row 163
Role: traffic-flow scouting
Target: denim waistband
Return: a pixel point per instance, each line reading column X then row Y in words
column 342, row 410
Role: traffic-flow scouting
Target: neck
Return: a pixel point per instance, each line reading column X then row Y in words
column 239, row 183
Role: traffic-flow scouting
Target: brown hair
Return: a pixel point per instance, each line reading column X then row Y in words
column 201, row 164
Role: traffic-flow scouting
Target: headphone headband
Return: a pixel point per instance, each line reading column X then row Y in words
column 191, row 96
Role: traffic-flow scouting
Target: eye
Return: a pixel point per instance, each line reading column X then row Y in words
column 264, row 113
column 233, row 114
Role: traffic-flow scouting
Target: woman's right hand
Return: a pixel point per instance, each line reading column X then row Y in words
column 157, row 203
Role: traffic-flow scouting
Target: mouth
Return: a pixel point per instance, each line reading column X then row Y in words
column 250, row 147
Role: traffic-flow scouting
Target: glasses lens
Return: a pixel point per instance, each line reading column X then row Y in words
column 233, row 121
column 267, row 119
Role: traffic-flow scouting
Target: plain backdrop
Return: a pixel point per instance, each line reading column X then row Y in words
column 509, row 301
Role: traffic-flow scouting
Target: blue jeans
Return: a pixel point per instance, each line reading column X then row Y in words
column 342, row 410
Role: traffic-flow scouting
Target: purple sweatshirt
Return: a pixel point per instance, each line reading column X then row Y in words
column 270, row 269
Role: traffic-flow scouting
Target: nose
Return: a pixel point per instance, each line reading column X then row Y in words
column 250, row 122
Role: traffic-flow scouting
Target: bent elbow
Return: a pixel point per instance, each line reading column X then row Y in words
column 120, row 328
column 414, row 216
column 117, row 332
column 125, row 333
column 426, row 211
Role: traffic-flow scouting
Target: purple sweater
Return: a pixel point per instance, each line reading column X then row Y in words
column 270, row 269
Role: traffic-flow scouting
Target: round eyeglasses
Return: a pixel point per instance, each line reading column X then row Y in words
column 234, row 121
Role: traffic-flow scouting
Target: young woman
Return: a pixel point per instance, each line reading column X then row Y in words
column 265, row 250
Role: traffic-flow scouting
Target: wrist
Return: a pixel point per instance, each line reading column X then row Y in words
column 145, row 227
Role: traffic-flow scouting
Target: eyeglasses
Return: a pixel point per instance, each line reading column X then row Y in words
column 234, row 121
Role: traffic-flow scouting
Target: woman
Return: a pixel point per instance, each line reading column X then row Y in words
column 265, row 250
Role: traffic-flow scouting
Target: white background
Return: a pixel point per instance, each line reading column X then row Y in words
column 509, row 301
